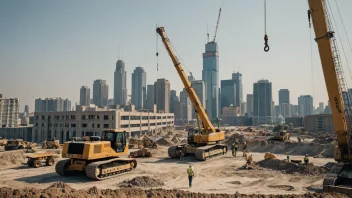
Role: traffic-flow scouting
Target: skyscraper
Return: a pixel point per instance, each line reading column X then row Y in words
column 321, row 107
column 173, row 99
column 237, row 77
column 262, row 102
column 199, row 88
column 52, row 105
column 185, row 106
column 84, row 96
column 249, row 102
column 284, row 96
column 228, row 93
column 139, row 83
column 26, row 109
column 305, row 105
column 150, row 97
column 120, row 90
column 100, row 93
column 9, row 111
column 285, row 110
column 210, row 75
column 162, row 95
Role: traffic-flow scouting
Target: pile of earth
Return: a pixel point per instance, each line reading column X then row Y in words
column 295, row 148
column 291, row 168
column 62, row 190
column 143, row 181
column 12, row 157
column 168, row 140
column 240, row 138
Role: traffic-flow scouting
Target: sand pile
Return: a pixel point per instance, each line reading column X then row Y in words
column 286, row 148
column 168, row 140
column 291, row 168
column 67, row 192
column 12, row 157
column 143, row 181
column 236, row 137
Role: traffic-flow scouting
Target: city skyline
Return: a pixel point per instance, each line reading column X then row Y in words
column 74, row 52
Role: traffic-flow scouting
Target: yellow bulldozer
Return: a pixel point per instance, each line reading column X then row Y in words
column 281, row 136
column 99, row 159
column 51, row 144
column 15, row 145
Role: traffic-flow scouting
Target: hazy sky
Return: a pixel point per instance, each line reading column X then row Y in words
column 52, row 48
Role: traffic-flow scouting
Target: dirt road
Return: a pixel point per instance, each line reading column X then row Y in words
column 219, row 175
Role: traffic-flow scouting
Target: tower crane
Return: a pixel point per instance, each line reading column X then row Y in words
column 217, row 25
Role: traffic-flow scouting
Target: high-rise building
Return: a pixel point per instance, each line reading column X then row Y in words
column 173, row 99
column 305, row 105
column 321, row 108
column 228, row 93
column 26, row 109
column 139, row 83
column 100, row 93
column 210, row 75
column 327, row 109
column 199, row 87
column 9, row 111
column 284, row 96
column 262, row 102
column 294, row 110
column 237, row 77
column 185, row 106
column 52, row 105
column 276, row 110
column 150, row 97
column 285, row 110
column 120, row 90
column 243, row 108
column 249, row 102
column 84, row 96
column 162, row 95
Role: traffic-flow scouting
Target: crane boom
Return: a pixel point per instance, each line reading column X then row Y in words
column 217, row 25
column 199, row 109
column 332, row 75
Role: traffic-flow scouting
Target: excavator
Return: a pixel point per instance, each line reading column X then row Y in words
column 100, row 159
column 203, row 142
column 339, row 178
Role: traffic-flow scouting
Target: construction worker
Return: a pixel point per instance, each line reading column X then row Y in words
column 190, row 175
column 244, row 149
column 234, row 149
column 182, row 154
column 306, row 159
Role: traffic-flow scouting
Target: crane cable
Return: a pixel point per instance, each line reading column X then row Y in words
column 311, row 52
column 266, row 45
column 157, row 54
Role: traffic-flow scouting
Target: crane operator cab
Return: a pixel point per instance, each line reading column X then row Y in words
column 191, row 133
column 118, row 140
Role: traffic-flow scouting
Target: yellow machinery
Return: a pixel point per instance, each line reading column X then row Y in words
column 339, row 179
column 202, row 142
column 146, row 142
column 280, row 136
column 15, row 145
column 51, row 144
column 3, row 141
column 99, row 159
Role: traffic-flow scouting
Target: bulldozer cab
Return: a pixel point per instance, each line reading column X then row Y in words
column 117, row 139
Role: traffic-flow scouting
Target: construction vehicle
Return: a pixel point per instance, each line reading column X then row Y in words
column 281, row 136
column 339, row 178
column 203, row 142
column 51, row 144
column 99, row 159
column 142, row 152
column 146, row 142
column 15, row 145
column 3, row 141
column 36, row 160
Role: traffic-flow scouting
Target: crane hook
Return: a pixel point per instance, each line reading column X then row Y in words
column 266, row 47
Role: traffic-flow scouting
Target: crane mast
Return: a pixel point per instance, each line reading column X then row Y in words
column 217, row 25
column 198, row 107
column 333, row 76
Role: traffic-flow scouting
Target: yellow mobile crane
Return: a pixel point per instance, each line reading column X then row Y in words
column 202, row 142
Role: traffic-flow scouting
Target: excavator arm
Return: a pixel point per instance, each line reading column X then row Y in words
column 198, row 107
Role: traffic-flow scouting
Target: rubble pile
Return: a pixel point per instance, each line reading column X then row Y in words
column 62, row 190
column 240, row 138
column 15, row 157
column 143, row 181
column 292, row 168
column 169, row 140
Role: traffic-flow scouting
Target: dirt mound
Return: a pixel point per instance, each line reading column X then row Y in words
column 284, row 187
column 286, row 148
column 291, row 168
column 141, row 193
column 12, row 157
column 240, row 138
column 169, row 140
column 143, row 181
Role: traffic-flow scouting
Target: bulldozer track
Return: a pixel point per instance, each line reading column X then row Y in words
column 172, row 152
column 60, row 167
column 114, row 171
column 206, row 152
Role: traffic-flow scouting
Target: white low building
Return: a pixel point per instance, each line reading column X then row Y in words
column 86, row 121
